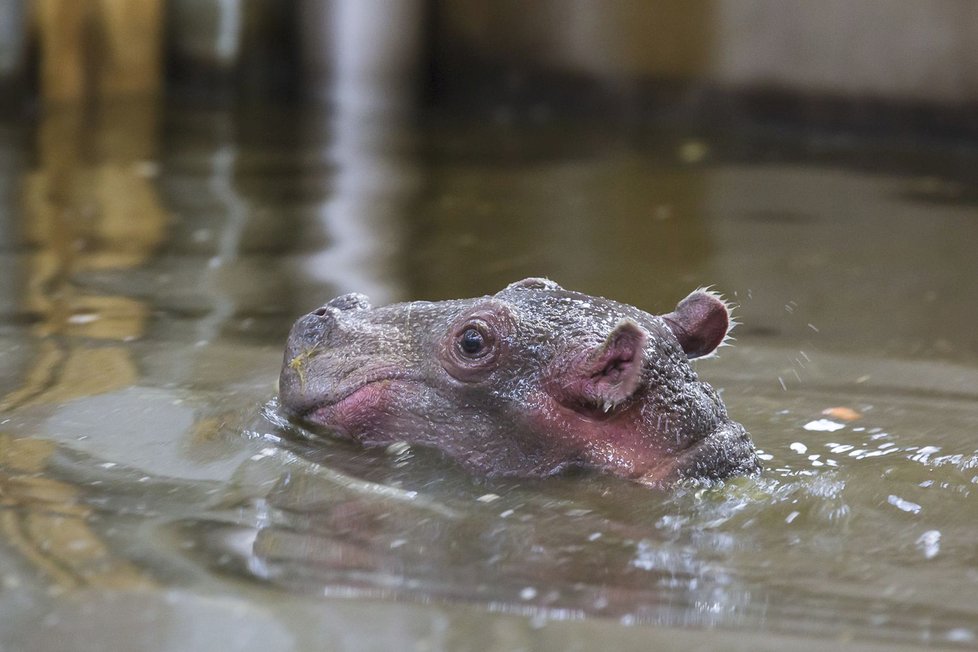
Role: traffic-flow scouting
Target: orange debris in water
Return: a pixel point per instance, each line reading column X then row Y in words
column 842, row 413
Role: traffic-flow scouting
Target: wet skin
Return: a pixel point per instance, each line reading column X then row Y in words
column 530, row 381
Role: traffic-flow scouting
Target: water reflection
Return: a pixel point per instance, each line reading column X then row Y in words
column 595, row 217
column 87, row 207
column 48, row 524
column 12, row 161
column 373, row 183
column 388, row 528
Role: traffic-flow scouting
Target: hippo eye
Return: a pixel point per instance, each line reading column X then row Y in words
column 475, row 343
column 472, row 343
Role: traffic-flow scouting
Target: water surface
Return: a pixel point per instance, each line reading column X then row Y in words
column 152, row 260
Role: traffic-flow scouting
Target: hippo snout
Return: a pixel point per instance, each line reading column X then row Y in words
column 316, row 327
column 313, row 330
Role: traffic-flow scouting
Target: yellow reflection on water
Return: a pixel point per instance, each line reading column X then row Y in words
column 89, row 205
column 45, row 521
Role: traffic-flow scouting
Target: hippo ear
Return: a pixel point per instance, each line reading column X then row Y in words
column 700, row 322
column 608, row 374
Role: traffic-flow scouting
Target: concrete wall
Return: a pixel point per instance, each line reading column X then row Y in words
column 892, row 49
column 895, row 49
column 887, row 49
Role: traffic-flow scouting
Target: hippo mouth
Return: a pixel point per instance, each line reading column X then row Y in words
column 352, row 405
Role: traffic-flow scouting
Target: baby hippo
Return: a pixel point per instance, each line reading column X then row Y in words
column 531, row 381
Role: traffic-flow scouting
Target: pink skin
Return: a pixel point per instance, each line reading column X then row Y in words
column 528, row 382
column 613, row 442
column 360, row 411
column 619, row 443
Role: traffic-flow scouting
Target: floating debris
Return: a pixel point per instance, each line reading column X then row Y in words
column 842, row 413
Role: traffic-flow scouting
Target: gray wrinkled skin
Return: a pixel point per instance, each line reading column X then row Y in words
column 553, row 380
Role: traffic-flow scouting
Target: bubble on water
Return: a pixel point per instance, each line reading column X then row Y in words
column 528, row 593
column 488, row 498
column 83, row 318
column 904, row 505
column 960, row 635
column 924, row 453
column 823, row 425
column 929, row 543
column 798, row 447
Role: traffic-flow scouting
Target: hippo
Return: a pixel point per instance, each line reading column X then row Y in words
column 529, row 382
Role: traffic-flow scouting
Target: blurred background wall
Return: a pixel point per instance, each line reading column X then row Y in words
column 855, row 56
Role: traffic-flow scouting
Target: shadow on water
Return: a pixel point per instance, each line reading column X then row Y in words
column 148, row 491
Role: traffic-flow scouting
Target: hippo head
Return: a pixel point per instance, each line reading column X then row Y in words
column 528, row 382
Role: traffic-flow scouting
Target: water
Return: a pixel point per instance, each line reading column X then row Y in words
column 153, row 259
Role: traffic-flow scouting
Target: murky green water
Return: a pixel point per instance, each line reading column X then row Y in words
column 152, row 260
